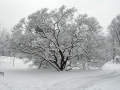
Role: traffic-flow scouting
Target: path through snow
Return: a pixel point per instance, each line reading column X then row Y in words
column 84, row 82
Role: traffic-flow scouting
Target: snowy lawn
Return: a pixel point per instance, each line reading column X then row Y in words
column 22, row 77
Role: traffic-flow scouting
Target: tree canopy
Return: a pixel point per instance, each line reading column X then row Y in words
column 59, row 38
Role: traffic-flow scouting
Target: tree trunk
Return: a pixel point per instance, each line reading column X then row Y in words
column 83, row 64
column 40, row 65
column 13, row 62
column 62, row 63
column 113, row 50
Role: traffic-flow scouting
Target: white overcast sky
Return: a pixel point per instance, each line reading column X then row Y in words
column 11, row 11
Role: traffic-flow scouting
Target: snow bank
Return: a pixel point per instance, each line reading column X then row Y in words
column 22, row 77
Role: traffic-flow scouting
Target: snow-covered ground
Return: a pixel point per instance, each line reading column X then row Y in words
column 22, row 77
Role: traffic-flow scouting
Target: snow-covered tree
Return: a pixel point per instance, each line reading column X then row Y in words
column 4, row 41
column 57, row 38
column 114, row 35
column 114, row 28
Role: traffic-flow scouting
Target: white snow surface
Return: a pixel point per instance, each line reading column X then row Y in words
column 22, row 77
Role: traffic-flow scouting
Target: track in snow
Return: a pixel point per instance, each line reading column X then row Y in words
column 83, row 82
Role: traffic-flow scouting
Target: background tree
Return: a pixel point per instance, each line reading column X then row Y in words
column 4, row 41
column 114, row 37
